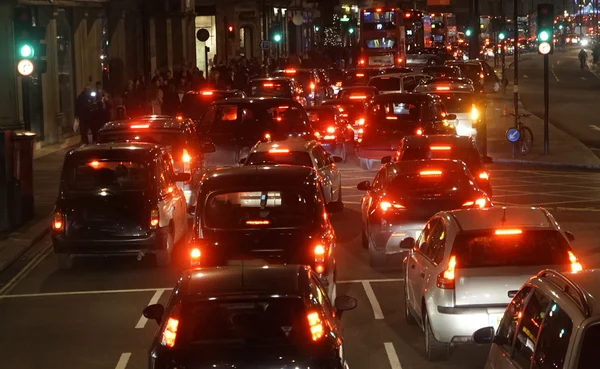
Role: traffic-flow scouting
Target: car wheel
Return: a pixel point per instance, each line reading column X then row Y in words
column 366, row 164
column 65, row 261
column 163, row 257
column 377, row 258
column 410, row 319
column 434, row 349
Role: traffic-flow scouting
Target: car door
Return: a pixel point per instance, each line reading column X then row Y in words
column 173, row 197
column 413, row 267
column 553, row 341
column 372, row 198
column 321, row 160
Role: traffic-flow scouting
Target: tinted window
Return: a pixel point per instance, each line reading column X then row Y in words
column 391, row 113
column 172, row 138
column 195, row 105
column 409, row 83
column 252, row 209
column 483, row 249
column 269, row 88
column 109, row 175
column 470, row 71
column 526, row 339
column 437, row 242
column 386, row 83
column 510, row 320
column 321, row 118
column 304, row 77
column 588, row 356
column 291, row 158
column 379, row 17
column 440, row 72
column 429, row 185
column 554, row 340
column 468, row 156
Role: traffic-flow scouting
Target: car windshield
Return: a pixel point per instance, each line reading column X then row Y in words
column 588, row 357
column 256, row 321
column 457, row 103
column 279, row 208
column 428, row 183
column 107, row 175
column 269, row 88
column 385, row 83
column 469, row 156
column 507, row 247
column 291, row 158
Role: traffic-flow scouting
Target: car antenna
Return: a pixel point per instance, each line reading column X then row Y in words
column 503, row 220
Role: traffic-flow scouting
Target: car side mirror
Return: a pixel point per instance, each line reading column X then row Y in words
column 363, row 186
column 344, row 303
column 208, row 147
column 570, row 236
column 182, row 177
column 242, row 161
column 451, row 116
column 407, row 244
column 487, row 160
column 335, row 207
column 337, row 159
column 484, row 336
column 154, row 312
column 386, row 159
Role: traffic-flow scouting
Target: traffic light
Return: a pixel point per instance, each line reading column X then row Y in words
column 230, row 32
column 351, row 30
column 501, row 35
column 30, row 44
column 545, row 23
column 468, row 32
column 276, row 33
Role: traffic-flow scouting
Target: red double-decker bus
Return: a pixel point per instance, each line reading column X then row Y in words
column 381, row 38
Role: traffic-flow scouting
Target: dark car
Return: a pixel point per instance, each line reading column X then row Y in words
column 359, row 76
column 395, row 115
column 249, row 317
column 334, row 134
column 195, row 103
column 445, row 147
column 235, row 125
column 392, row 70
column 357, row 93
column 405, row 194
column 179, row 136
column 353, row 111
column 118, row 199
column 309, row 79
column 277, row 87
column 472, row 69
column 326, row 83
column 271, row 213
column 442, row 71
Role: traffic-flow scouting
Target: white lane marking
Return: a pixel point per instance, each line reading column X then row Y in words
column 392, row 355
column 377, row 313
column 142, row 322
column 76, row 293
column 583, row 78
column 352, row 202
column 123, row 360
column 592, row 210
column 594, row 127
column 372, row 280
column 554, row 74
column 26, row 269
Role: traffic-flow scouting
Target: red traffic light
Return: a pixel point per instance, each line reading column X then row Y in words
column 230, row 29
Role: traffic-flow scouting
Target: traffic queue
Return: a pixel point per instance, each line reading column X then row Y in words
column 247, row 182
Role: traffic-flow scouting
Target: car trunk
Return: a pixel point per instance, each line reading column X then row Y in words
column 425, row 206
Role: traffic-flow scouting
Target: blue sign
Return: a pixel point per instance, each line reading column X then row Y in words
column 513, row 135
column 264, row 44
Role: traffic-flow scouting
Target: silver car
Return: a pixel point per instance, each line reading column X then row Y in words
column 467, row 265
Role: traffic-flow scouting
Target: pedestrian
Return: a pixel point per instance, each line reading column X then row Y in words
column 83, row 113
column 130, row 98
column 170, row 101
column 156, row 97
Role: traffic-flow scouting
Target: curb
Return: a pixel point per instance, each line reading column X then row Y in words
column 20, row 245
column 591, row 167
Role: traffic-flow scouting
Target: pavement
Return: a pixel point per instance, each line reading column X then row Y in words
column 90, row 317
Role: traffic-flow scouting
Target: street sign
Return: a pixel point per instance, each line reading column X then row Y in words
column 25, row 67
column 202, row 35
column 264, row 44
column 544, row 48
column 513, row 135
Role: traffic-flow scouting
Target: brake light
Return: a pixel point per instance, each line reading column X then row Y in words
column 386, row 205
column 140, row 126
column 267, row 137
column 378, row 10
column 474, row 113
column 406, row 15
column 445, row 279
column 358, row 97
column 179, row 117
column 170, row 333
column 57, row 221
column 257, row 222
column 267, row 85
column 484, row 175
column 320, row 269
column 207, row 93
column 360, row 122
column 430, row 173
column 389, row 117
column 312, row 86
column 481, row 75
column 575, row 265
column 279, row 151
column 316, row 326
column 338, row 84
column 331, row 129
column 185, row 157
column 440, row 148
column 507, row 232
column 361, row 61
column 195, row 254
column 360, row 74
column 442, row 88
column 399, row 60
column 419, row 132
column 95, row 164
column 290, row 71
column 481, row 203
column 154, row 218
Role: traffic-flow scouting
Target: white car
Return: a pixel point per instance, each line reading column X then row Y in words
column 298, row 151
column 467, row 265
column 397, row 82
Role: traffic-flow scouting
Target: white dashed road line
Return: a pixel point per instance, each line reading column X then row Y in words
column 47, row 248
column 371, row 280
column 392, row 355
column 142, row 322
column 377, row 312
column 123, row 360
column 76, row 293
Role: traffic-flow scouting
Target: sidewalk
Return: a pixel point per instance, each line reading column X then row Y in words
column 47, row 166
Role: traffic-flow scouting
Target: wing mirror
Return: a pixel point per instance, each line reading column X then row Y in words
column 182, row 177
column 451, row 117
column 364, row 186
column 242, row 161
column 407, row 244
column 344, row 303
column 154, row 312
column 484, row 335
column 386, row 159
column 208, row 147
column 337, row 159
column 335, row 207
column 487, row 160
column 570, row 236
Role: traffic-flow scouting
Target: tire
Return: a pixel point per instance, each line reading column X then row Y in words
column 434, row 349
column 410, row 319
column 526, row 141
column 377, row 258
column 163, row 257
column 65, row 261
column 366, row 164
column 365, row 240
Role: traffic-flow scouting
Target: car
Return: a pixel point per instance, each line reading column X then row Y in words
column 445, row 147
column 418, row 57
column 296, row 151
column 393, row 116
column 118, row 199
column 334, row 132
column 437, row 71
column 309, row 79
column 405, row 194
column 459, row 98
column 398, row 82
column 466, row 266
column 265, row 213
column 357, row 93
column 259, row 317
column 472, row 69
column 326, row 83
column 235, row 125
column 277, row 87
column 552, row 322
column 359, row 76
column 195, row 103
column 353, row 112
column 177, row 134
column 389, row 70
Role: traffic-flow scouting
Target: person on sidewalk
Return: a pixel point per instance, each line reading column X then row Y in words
column 83, row 112
column 582, row 58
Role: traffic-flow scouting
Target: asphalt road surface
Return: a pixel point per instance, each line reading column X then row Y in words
column 90, row 317
column 574, row 94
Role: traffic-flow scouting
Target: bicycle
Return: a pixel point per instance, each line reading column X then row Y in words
column 525, row 140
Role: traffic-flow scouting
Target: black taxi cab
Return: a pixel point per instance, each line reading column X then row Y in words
column 195, row 103
column 265, row 213
column 118, row 199
column 177, row 134
column 277, row 87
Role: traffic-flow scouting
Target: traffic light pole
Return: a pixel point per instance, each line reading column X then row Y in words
column 25, row 86
column 226, row 41
column 546, row 104
column 516, row 62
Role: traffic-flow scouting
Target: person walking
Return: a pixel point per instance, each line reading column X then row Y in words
column 582, row 58
column 156, row 97
column 83, row 112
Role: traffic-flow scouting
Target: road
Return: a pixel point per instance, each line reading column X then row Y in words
column 90, row 317
column 574, row 94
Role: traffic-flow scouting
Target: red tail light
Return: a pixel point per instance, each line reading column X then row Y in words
column 330, row 129
column 312, row 86
column 207, row 93
column 419, row 132
column 258, row 222
column 399, row 60
column 279, row 151
column 319, row 253
column 57, row 221
column 430, row 173
column 154, row 218
column 442, row 88
column 391, row 117
column 361, row 61
column 480, row 203
column 195, row 255
column 358, row 97
column 316, row 325
column 170, row 333
column 387, row 205
column 445, row 279
column 575, row 265
column 440, row 148
column 140, row 126
column 481, row 75
column 185, row 157
column 507, row 232
column 267, row 85
column 484, row 175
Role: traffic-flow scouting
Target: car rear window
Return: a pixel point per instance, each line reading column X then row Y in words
column 385, row 83
column 485, row 248
column 107, row 175
column 290, row 158
column 441, row 72
column 470, row 71
column 320, row 118
column 390, row 114
column 469, row 156
column 428, row 183
column 356, row 94
column 303, row 77
column 238, row 322
column 269, row 88
column 172, row 139
column 287, row 208
column 457, row 103
column 588, row 357
column 194, row 106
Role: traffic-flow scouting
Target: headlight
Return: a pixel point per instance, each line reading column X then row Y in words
column 584, row 42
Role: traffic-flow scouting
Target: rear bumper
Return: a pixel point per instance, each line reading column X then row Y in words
column 388, row 237
column 457, row 324
column 155, row 241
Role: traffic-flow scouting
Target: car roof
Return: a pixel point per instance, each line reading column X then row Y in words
column 117, row 146
column 290, row 143
column 153, row 122
column 116, row 150
column 589, row 281
column 503, row 217
column 194, row 92
column 259, row 176
column 404, row 97
column 236, row 280
column 456, row 141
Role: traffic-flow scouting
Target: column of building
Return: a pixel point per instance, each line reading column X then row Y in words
column 9, row 103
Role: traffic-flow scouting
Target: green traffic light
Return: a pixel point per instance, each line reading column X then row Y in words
column 277, row 38
column 468, row 33
column 26, row 51
column 544, row 36
column 501, row 36
column 317, row 28
column 351, row 31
